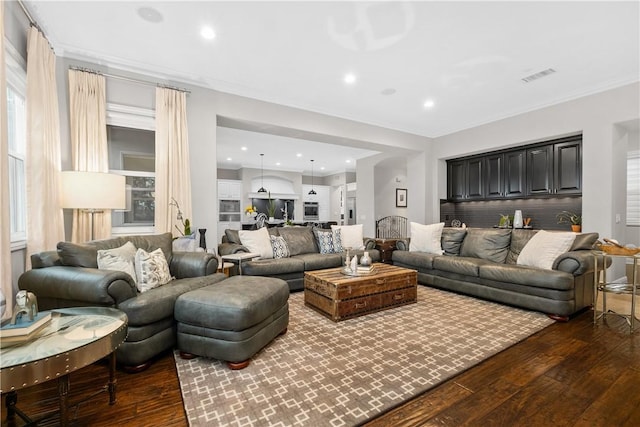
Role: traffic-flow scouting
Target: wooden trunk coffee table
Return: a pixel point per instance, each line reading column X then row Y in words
column 339, row 296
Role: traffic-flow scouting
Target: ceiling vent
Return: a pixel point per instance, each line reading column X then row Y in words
column 538, row 75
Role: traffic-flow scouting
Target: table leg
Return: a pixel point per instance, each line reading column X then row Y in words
column 10, row 402
column 112, row 378
column 63, row 394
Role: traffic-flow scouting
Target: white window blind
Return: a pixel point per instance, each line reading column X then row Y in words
column 633, row 188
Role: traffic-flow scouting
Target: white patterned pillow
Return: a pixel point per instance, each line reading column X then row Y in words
column 279, row 246
column 120, row 259
column 257, row 241
column 351, row 236
column 426, row 238
column 152, row 269
column 337, row 241
column 325, row 241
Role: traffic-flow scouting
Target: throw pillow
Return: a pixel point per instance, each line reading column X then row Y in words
column 426, row 238
column 325, row 241
column 337, row 241
column 185, row 243
column 351, row 236
column 257, row 241
column 543, row 248
column 77, row 255
column 152, row 269
column 120, row 259
column 279, row 246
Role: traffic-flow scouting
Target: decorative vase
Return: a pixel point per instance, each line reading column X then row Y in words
column 576, row 228
column 203, row 239
column 365, row 260
column 517, row 219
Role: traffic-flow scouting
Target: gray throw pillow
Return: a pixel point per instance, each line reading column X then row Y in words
column 489, row 244
column 78, row 255
column 232, row 236
column 300, row 240
column 584, row 241
column 519, row 238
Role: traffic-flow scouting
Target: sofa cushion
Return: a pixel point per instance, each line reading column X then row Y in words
column 257, row 241
column 299, row 239
column 421, row 260
column 426, row 238
column 519, row 238
column 459, row 265
column 232, row 236
column 543, row 248
column 452, row 239
column 351, row 236
column 119, row 259
column 584, row 241
column 528, row 276
column 279, row 247
column 489, row 244
column 272, row 267
column 78, row 255
column 320, row 261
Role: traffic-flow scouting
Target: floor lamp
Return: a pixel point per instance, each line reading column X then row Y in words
column 92, row 192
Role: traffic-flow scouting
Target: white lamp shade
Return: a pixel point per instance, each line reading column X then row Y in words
column 92, row 190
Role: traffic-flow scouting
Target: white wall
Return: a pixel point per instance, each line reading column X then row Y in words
column 594, row 115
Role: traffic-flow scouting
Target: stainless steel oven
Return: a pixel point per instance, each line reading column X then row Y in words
column 311, row 211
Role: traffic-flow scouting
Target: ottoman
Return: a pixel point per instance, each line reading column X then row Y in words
column 232, row 320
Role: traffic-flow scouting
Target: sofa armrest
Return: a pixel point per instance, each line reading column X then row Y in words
column 402, row 245
column 230, row 248
column 369, row 243
column 193, row 264
column 575, row 262
column 90, row 285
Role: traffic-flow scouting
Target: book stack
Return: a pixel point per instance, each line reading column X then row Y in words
column 368, row 269
column 24, row 330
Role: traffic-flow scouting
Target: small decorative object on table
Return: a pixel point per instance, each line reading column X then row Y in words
column 203, row 239
column 365, row 261
column 612, row 247
column 26, row 303
column 567, row 217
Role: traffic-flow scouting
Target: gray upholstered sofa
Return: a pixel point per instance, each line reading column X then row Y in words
column 482, row 263
column 304, row 255
column 69, row 277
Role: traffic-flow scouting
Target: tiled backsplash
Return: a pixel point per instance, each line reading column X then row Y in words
column 487, row 213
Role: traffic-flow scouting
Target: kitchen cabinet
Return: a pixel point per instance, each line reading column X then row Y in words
column 465, row 179
column 229, row 189
column 547, row 169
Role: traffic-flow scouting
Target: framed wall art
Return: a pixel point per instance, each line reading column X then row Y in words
column 401, row 197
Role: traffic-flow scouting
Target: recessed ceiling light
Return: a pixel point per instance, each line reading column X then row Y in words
column 229, row 159
column 299, row 155
column 207, row 33
column 321, row 168
column 150, row 14
column 348, row 161
column 350, row 78
column 277, row 163
column 243, row 148
column 429, row 103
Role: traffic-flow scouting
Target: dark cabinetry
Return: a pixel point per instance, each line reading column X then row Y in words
column 552, row 168
column 465, row 179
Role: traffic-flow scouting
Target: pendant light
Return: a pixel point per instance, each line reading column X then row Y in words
column 312, row 192
column 262, row 190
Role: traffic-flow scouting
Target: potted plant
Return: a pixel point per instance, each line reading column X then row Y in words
column 567, row 217
column 271, row 208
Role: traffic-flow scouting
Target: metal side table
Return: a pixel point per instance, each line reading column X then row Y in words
column 629, row 288
column 73, row 339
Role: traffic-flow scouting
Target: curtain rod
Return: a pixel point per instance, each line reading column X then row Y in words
column 29, row 17
column 129, row 79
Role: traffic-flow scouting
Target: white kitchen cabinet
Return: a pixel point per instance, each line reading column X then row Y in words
column 229, row 189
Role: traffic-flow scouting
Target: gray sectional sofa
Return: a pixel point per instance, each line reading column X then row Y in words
column 483, row 263
column 69, row 277
column 304, row 255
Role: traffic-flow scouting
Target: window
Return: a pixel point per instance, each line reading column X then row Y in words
column 633, row 188
column 17, row 144
column 132, row 154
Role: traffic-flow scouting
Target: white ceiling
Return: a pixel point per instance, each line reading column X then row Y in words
column 468, row 57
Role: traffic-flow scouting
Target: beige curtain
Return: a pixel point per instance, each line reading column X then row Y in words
column 6, row 291
column 172, row 160
column 45, row 226
column 89, row 152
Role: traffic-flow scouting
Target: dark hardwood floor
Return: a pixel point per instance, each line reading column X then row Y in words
column 569, row 374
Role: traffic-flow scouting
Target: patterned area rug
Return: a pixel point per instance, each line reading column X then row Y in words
column 322, row 373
